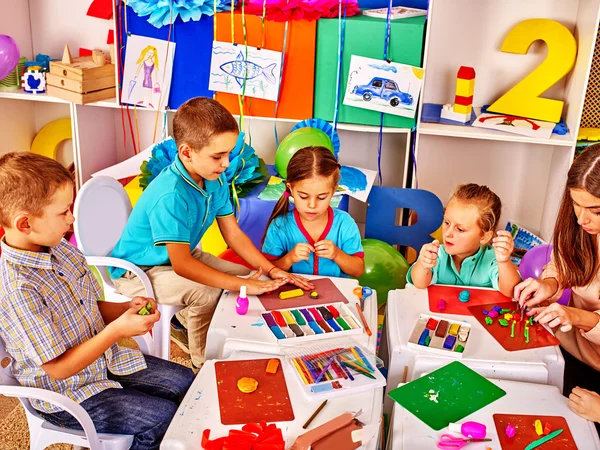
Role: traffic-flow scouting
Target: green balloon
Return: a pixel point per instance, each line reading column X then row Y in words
column 385, row 269
column 96, row 273
column 297, row 139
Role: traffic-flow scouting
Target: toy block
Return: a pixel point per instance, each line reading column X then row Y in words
column 448, row 114
column 465, row 87
column 466, row 101
column 462, row 109
column 67, row 58
column 466, row 73
column 84, row 80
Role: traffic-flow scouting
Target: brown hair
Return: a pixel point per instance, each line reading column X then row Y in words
column 199, row 119
column 575, row 250
column 488, row 203
column 308, row 162
column 28, row 182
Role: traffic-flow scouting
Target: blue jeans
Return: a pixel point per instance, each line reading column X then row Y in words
column 143, row 408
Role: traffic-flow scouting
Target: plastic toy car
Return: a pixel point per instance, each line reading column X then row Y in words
column 384, row 89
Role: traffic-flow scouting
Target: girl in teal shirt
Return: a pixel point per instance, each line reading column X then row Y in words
column 470, row 254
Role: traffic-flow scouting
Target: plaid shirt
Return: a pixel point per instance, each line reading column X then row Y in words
column 47, row 306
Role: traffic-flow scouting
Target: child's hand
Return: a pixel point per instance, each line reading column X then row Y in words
column 555, row 315
column 301, row 282
column 429, row 254
column 585, row 404
column 130, row 323
column 300, row 252
column 254, row 286
column 138, row 303
column 503, row 246
column 326, row 249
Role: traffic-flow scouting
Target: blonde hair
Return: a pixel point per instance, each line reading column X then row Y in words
column 488, row 204
column 154, row 57
column 27, row 183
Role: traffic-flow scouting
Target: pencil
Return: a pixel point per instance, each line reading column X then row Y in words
column 300, row 371
column 311, row 418
column 363, row 358
column 404, row 374
column 309, row 375
column 364, row 321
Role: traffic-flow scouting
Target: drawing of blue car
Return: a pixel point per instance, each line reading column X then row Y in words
column 384, row 89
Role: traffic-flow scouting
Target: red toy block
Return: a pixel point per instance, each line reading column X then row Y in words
column 466, row 73
column 84, row 52
column 431, row 324
column 110, row 39
column 465, row 101
column 102, row 9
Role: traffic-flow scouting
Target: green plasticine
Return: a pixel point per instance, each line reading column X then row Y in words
column 489, row 320
column 512, row 329
column 503, row 322
column 543, row 440
column 526, row 333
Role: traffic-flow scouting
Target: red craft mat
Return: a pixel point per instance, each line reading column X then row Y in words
column 269, row 402
column 526, row 432
column 538, row 335
column 454, row 305
column 328, row 293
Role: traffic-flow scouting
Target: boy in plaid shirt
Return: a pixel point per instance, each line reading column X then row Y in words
column 60, row 338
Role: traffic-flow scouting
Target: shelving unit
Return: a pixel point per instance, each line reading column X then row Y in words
column 527, row 173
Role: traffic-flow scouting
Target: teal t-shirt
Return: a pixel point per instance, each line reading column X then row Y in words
column 172, row 209
column 479, row 270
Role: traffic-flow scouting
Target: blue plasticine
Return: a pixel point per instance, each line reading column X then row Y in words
column 449, row 342
column 277, row 332
column 333, row 324
column 464, row 296
column 315, row 327
column 485, row 312
column 424, row 334
column 497, row 309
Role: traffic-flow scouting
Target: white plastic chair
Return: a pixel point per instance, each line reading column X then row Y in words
column 41, row 432
column 102, row 208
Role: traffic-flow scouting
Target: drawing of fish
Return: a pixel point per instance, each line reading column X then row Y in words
column 385, row 67
column 241, row 68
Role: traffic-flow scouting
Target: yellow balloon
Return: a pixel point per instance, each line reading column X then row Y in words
column 212, row 241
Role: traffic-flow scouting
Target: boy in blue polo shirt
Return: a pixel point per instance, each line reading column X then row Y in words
column 174, row 212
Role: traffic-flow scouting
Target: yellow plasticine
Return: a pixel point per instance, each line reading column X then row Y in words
column 508, row 316
column 247, row 385
column 454, row 329
column 291, row 294
column 288, row 316
column 538, row 427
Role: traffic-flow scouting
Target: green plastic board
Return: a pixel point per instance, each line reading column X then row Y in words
column 364, row 37
column 447, row 395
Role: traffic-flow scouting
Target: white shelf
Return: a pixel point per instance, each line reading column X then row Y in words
column 469, row 132
column 20, row 95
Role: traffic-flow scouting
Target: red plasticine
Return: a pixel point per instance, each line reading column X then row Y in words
column 279, row 318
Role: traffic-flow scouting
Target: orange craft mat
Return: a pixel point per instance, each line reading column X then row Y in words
column 296, row 91
column 538, row 335
column 327, row 290
column 454, row 305
column 269, row 402
column 525, row 432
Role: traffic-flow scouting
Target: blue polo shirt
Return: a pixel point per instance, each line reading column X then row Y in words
column 172, row 209
column 287, row 230
column 479, row 270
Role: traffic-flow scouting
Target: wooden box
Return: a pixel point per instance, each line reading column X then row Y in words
column 82, row 81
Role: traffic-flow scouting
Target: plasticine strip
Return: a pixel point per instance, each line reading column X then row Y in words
column 296, row 330
column 325, row 313
column 333, row 324
column 315, row 327
column 307, row 315
column 342, row 323
column 288, row 317
column 350, row 321
column 279, row 318
column 277, row 332
column 269, row 319
column 291, row 294
column 333, row 311
column 308, row 331
column 324, row 326
column 298, row 317
column 316, row 314
column 304, row 441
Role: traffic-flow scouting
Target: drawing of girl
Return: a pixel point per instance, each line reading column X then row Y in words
column 148, row 61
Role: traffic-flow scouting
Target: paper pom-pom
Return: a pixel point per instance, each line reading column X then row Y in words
column 282, row 11
column 163, row 12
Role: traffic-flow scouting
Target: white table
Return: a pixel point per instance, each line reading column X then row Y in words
column 410, row 433
column 229, row 332
column 483, row 353
column 200, row 410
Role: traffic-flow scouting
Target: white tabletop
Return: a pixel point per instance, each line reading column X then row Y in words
column 410, row 433
column 231, row 332
column 200, row 410
column 483, row 353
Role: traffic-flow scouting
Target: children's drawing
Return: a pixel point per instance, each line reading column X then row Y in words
column 383, row 86
column 234, row 67
column 514, row 124
column 356, row 182
column 147, row 74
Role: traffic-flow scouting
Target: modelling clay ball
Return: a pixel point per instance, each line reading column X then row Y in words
column 314, row 295
column 464, row 296
column 441, row 305
column 247, row 385
column 510, row 431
